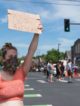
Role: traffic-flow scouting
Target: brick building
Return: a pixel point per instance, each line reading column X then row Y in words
column 75, row 52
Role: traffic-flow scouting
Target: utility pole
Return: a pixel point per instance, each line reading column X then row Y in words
column 59, row 51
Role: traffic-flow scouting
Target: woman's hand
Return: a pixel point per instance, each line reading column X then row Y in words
column 40, row 27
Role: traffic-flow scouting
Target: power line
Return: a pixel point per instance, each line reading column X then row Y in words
column 48, row 3
column 69, row 0
column 55, row 3
column 43, row 1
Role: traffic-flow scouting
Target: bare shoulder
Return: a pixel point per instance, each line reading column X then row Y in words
column 5, row 76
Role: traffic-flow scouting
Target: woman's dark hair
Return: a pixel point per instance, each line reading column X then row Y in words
column 11, row 64
column 6, row 47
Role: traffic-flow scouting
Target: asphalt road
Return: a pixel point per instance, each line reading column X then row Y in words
column 39, row 92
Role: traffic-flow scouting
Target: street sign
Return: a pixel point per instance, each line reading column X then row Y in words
column 23, row 21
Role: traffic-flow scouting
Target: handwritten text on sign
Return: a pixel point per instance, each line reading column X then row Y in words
column 23, row 21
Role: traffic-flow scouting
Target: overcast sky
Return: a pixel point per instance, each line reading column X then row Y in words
column 52, row 13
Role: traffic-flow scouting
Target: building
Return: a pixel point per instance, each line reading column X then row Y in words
column 67, row 55
column 75, row 52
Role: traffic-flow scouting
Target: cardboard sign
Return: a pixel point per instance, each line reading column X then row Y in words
column 23, row 21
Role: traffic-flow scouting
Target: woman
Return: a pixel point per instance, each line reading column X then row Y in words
column 12, row 77
column 69, row 71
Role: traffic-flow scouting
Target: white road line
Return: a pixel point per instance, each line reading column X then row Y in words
column 28, row 89
column 62, row 80
column 35, row 78
column 32, row 78
column 41, row 105
column 41, row 81
column 32, row 95
column 77, row 79
column 27, row 85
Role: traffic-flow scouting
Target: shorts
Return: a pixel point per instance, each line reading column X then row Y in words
column 69, row 73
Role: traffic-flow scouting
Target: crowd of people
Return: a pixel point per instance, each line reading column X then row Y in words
column 60, row 71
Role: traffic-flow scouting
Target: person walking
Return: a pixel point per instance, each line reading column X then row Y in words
column 69, row 71
column 62, row 70
column 50, row 71
column 58, row 70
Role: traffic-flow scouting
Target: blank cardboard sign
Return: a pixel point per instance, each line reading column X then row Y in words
column 23, row 21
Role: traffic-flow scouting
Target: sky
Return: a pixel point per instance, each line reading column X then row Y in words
column 52, row 13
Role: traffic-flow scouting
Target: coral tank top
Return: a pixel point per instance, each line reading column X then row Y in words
column 12, row 89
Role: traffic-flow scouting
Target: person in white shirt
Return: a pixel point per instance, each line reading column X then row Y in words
column 69, row 70
column 50, row 71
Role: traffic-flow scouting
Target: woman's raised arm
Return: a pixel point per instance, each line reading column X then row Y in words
column 31, row 51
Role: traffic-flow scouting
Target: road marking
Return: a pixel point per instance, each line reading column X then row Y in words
column 28, row 89
column 27, row 85
column 32, row 78
column 41, row 81
column 41, row 105
column 77, row 79
column 32, row 95
column 62, row 80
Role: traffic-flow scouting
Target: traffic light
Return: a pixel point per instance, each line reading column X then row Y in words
column 66, row 25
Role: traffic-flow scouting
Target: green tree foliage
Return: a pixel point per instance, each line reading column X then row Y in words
column 62, row 55
column 54, row 55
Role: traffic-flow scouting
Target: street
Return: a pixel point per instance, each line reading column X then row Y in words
column 39, row 92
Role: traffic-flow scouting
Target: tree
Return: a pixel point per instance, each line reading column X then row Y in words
column 54, row 55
